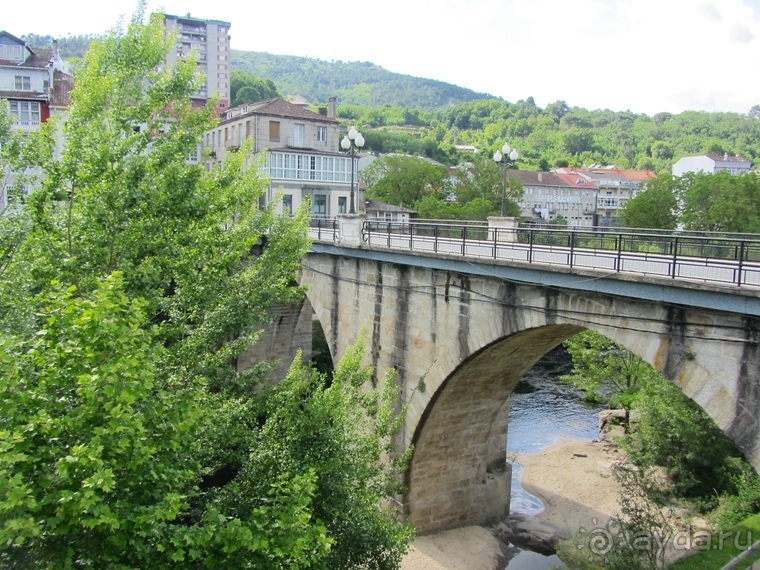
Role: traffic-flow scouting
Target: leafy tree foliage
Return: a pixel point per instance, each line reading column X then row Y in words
column 722, row 202
column 702, row 201
column 605, row 370
column 482, row 178
column 245, row 88
column 674, row 433
column 355, row 83
column 70, row 46
column 129, row 437
column 434, row 207
column 403, row 180
column 656, row 206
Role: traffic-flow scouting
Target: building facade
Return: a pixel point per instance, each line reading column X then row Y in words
column 614, row 187
column 302, row 160
column 37, row 84
column 711, row 163
column 210, row 41
column 549, row 195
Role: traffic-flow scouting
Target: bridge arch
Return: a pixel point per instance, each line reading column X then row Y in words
column 460, row 341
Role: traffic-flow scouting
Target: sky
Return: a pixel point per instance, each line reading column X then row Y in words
column 646, row 56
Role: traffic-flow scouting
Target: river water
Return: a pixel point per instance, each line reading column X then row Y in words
column 544, row 412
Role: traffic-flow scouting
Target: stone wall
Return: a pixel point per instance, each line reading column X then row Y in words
column 460, row 343
column 289, row 332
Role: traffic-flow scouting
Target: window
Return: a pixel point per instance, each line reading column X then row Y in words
column 299, row 132
column 322, row 134
column 12, row 52
column 320, row 205
column 341, row 204
column 274, row 131
column 22, row 83
column 287, row 204
column 26, row 111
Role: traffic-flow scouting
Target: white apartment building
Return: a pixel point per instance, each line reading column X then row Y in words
column 548, row 195
column 711, row 163
column 211, row 41
column 614, row 186
column 302, row 157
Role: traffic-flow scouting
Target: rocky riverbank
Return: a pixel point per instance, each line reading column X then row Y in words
column 573, row 479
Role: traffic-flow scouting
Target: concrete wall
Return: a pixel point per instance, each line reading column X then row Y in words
column 460, row 343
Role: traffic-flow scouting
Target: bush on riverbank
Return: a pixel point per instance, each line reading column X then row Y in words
column 674, row 433
column 676, row 455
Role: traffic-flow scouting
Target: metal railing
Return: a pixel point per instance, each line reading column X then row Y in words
column 324, row 229
column 700, row 256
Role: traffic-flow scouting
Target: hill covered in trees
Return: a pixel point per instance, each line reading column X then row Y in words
column 557, row 135
column 355, row 83
column 401, row 113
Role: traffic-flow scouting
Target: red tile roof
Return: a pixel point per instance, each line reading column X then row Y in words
column 533, row 178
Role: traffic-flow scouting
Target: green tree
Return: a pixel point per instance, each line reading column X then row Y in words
column 722, row 202
column 129, row 437
column 605, row 370
column 403, row 180
column 483, row 179
column 655, row 206
column 246, row 88
column 674, row 433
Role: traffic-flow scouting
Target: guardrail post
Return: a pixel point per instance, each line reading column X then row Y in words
column 741, row 263
column 675, row 256
column 464, row 239
column 530, row 245
column 572, row 246
column 619, row 259
column 435, row 241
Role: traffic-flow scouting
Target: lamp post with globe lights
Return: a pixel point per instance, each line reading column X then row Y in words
column 506, row 157
column 352, row 143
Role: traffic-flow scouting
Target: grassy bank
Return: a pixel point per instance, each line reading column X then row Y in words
column 723, row 546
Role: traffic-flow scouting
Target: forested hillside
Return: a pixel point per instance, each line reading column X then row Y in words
column 400, row 113
column 357, row 83
column 558, row 135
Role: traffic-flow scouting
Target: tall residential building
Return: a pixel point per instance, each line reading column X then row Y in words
column 211, row 42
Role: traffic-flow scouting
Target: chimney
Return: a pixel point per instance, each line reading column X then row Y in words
column 540, row 176
column 331, row 107
column 725, row 156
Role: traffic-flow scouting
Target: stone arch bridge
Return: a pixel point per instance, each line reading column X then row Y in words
column 461, row 333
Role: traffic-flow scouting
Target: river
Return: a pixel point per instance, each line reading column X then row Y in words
column 544, row 412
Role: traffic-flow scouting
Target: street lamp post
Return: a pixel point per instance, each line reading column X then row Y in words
column 351, row 143
column 506, row 158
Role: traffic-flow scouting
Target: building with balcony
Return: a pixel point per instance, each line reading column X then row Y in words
column 711, row 163
column 549, row 195
column 210, row 41
column 302, row 158
column 615, row 186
